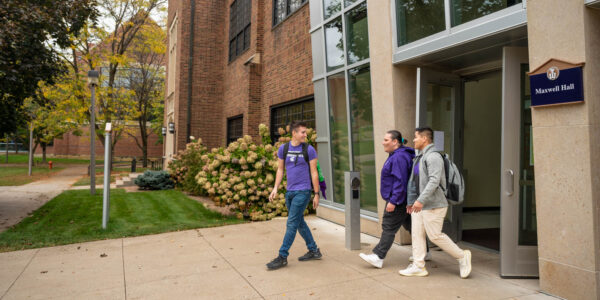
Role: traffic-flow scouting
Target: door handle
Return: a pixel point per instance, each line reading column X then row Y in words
column 510, row 182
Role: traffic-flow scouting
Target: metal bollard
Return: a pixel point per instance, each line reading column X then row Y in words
column 133, row 165
column 352, row 188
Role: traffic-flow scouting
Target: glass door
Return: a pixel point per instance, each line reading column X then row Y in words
column 518, row 232
column 439, row 106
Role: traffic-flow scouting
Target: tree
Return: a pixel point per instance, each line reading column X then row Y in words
column 107, row 48
column 146, row 80
column 28, row 29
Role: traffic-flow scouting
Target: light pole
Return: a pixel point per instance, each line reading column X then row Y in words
column 93, row 82
column 31, row 145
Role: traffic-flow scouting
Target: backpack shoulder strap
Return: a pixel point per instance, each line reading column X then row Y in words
column 305, row 153
column 286, row 148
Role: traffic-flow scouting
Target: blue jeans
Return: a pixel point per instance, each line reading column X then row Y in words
column 296, row 202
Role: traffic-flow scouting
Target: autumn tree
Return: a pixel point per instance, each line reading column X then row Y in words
column 146, row 80
column 107, row 47
column 30, row 31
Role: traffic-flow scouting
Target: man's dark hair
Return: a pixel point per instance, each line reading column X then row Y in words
column 396, row 135
column 296, row 124
column 427, row 132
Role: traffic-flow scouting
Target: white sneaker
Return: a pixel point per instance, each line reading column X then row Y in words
column 465, row 264
column 413, row 270
column 373, row 259
column 427, row 257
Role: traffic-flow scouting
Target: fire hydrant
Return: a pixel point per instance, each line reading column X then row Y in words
column 50, row 165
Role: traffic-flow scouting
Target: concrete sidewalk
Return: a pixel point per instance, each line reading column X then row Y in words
column 16, row 202
column 229, row 263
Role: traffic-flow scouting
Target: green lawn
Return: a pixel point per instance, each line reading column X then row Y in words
column 11, row 176
column 76, row 216
column 99, row 180
column 24, row 158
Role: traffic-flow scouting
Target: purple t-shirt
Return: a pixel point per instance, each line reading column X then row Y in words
column 296, row 168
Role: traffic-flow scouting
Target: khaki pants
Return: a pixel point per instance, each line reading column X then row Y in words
column 430, row 222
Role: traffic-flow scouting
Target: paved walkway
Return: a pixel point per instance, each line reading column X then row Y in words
column 229, row 263
column 16, row 202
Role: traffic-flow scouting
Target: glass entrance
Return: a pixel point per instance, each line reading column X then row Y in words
column 439, row 107
column 518, row 232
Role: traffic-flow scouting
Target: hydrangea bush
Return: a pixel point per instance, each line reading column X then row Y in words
column 240, row 175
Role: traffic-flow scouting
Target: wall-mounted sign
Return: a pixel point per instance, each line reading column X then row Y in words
column 556, row 82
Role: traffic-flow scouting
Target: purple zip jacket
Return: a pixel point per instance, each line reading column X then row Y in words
column 395, row 174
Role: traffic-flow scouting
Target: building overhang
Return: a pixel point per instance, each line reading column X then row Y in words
column 473, row 43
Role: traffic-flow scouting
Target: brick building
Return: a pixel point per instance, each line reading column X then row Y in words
column 233, row 65
column 74, row 145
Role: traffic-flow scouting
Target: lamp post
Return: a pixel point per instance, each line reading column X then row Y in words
column 31, row 144
column 93, row 83
column 106, row 193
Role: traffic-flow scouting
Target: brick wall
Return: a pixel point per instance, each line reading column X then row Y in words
column 275, row 69
column 73, row 145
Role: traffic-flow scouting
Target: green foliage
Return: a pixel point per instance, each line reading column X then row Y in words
column 154, row 180
column 32, row 34
column 240, row 175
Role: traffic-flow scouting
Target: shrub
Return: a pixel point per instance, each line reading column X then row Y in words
column 154, row 180
column 240, row 175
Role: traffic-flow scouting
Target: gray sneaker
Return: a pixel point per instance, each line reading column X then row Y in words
column 277, row 263
column 310, row 255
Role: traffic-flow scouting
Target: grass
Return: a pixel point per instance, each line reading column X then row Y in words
column 99, row 180
column 12, row 176
column 24, row 158
column 76, row 216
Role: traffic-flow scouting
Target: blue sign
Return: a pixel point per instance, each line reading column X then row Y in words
column 557, row 86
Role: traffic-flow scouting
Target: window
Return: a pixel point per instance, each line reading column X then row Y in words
column 239, row 27
column 172, row 57
column 284, row 8
column 463, row 11
column 283, row 115
column 418, row 19
column 235, row 128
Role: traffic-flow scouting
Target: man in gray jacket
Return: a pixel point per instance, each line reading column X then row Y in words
column 427, row 205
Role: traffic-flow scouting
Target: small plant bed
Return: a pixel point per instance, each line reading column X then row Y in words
column 17, row 175
column 76, row 216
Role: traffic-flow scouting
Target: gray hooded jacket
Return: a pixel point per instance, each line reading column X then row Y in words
column 431, row 179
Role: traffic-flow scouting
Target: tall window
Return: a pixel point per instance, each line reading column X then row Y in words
column 345, row 84
column 172, row 57
column 239, row 27
column 283, row 115
column 284, row 8
column 235, row 128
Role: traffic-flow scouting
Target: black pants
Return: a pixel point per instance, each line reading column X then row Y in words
column 392, row 221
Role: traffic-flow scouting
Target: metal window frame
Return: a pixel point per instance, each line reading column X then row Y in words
column 496, row 22
column 231, row 119
column 324, row 75
column 288, row 13
column 234, row 20
column 287, row 105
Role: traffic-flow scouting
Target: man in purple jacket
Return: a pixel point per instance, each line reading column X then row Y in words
column 394, row 180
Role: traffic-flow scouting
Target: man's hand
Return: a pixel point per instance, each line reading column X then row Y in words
column 273, row 195
column 417, row 207
column 316, row 201
column 409, row 209
column 390, row 207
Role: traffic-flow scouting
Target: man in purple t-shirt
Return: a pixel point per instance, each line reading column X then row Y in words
column 301, row 178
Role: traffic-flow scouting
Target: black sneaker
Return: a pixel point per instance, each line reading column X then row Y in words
column 277, row 263
column 310, row 255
